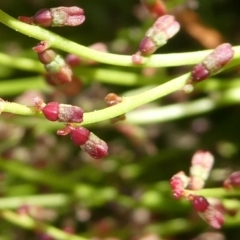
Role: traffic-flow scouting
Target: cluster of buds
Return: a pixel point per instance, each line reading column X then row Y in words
column 164, row 28
column 56, row 17
column 54, row 111
column 212, row 63
column 87, row 140
column 156, row 8
column 209, row 213
column 184, row 186
column 112, row 99
column 58, row 70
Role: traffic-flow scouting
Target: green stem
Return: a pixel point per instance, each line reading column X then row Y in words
column 56, row 41
column 21, row 63
column 125, row 106
column 21, row 85
column 45, row 200
column 217, row 192
column 27, row 222
column 129, row 103
column 180, row 110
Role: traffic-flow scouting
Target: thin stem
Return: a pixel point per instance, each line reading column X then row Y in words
column 21, row 85
column 129, row 103
column 21, row 63
column 27, row 222
column 158, row 60
column 45, row 200
column 180, row 110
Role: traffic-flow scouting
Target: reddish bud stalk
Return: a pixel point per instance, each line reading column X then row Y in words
column 56, row 17
column 156, row 8
column 112, row 99
column 212, row 63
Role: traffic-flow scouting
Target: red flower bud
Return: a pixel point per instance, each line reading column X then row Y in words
column 212, row 63
column 79, row 135
column 233, row 181
column 95, row 147
column 164, row 28
column 199, row 203
column 56, row 17
column 200, row 73
column 54, row 111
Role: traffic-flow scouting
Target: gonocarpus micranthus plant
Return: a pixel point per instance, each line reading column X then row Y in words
column 90, row 120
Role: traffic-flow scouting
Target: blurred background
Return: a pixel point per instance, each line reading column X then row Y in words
column 125, row 195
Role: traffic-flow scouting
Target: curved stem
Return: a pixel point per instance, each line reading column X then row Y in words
column 129, row 103
column 21, row 85
column 56, row 41
column 27, row 222
column 125, row 106
column 180, row 110
column 26, row 64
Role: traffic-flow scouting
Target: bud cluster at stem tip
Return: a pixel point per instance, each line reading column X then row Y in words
column 202, row 162
column 56, row 17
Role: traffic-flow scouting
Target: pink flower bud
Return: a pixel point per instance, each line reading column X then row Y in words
column 221, row 55
column 202, row 162
column 178, row 182
column 95, row 147
column 233, row 181
column 212, row 63
column 79, row 135
column 56, row 17
column 163, row 29
column 213, row 217
column 58, row 70
column 54, row 111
